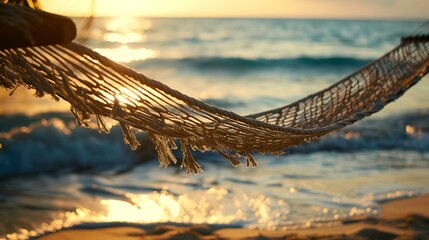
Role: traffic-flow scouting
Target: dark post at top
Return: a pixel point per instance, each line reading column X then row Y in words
column 24, row 27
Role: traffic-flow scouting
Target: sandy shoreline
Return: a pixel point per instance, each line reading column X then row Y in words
column 400, row 219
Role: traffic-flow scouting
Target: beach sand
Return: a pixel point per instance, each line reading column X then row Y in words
column 400, row 219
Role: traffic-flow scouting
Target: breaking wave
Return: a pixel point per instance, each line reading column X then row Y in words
column 53, row 143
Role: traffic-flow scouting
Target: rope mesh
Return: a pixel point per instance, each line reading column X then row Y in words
column 97, row 86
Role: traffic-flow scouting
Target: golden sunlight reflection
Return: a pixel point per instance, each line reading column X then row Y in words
column 124, row 96
column 126, row 30
column 124, row 38
column 128, row 24
column 143, row 209
column 164, row 207
column 62, row 220
column 212, row 206
column 413, row 131
column 125, row 54
column 351, row 134
column 59, row 124
column 23, row 102
column 127, row 96
column 120, row 211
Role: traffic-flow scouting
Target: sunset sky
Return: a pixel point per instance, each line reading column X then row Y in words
column 373, row 9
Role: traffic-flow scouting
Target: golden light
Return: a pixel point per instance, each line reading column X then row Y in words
column 126, row 54
column 126, row 30
column 120, row 211
column 413, row 131
column 411, row 9
column 143, row 208
column 123, row 38
column 127, row 96
column 164, row 207
column 211, row 206
column 128, row 24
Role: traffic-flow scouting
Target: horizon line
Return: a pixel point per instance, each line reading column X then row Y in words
column 266, row 17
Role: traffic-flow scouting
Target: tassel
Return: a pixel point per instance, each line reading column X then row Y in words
column 129, row 137
column 80, row 117
column 165, row 155
column 229, row 157
column 188, row 161
column 172, row 144
column 102, row 127
column 250, row 160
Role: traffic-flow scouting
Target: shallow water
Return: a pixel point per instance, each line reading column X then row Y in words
column 54, row 174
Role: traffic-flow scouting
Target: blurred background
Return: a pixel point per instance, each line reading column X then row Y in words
column 245, row 56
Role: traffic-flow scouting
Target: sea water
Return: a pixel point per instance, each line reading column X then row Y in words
column 55, row 174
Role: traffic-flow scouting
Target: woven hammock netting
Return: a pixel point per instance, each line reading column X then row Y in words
column 99, row 88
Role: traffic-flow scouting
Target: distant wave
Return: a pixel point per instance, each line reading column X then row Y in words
column 241, row 64
column 224, row 103
column 52, row 143
column 37, row 144
column 408, row 132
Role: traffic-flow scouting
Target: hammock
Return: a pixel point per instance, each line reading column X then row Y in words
column 98, row 87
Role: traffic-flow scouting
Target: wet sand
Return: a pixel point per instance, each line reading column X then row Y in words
column 400, row 219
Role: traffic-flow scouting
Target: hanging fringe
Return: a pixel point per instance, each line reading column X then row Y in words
column 188, row 161
column 101, row 125
column 232, row 159
column 250, row 160
column 129, row 137
column 163, row 146
column 81, row 118
column 9, row 79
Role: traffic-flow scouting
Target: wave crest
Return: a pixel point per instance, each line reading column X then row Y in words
column 240, row 64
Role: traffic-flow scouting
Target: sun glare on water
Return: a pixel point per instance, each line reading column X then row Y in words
column 143, row 209
column 140, row 208
column 210, row 206
column 125, row 31
column 164, row 207
column 125, row 54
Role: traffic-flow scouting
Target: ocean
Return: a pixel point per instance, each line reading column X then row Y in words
column 55, row 174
